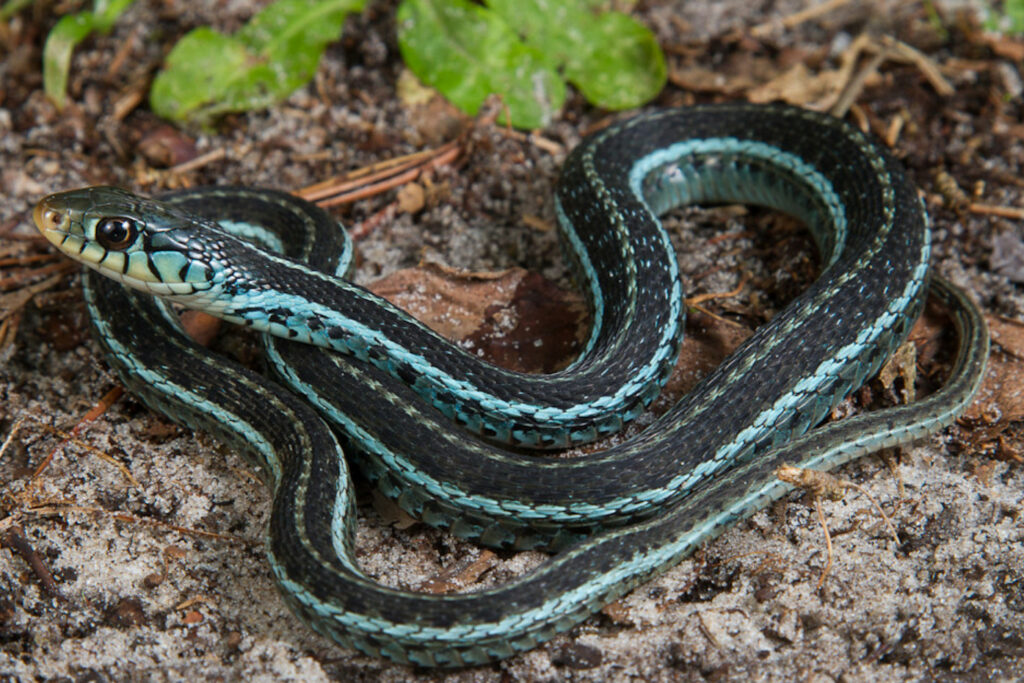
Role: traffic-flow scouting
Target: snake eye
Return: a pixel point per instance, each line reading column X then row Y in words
column 116, row 233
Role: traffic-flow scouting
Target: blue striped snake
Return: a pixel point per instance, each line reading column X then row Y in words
column 432, row 425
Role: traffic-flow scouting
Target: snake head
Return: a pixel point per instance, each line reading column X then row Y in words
column 143, row 243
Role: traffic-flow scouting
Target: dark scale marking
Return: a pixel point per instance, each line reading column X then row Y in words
column 245, row 310
column 406, row 373
column 153, row 269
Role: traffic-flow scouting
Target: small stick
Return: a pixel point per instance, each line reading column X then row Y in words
column 794, row 20
column 824, row 485
column 16, row 541
column 376, row 178
column 101, row 407
column 1011, row 212
column 828, row 544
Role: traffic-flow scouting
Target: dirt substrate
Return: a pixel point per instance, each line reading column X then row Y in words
column 120, row 514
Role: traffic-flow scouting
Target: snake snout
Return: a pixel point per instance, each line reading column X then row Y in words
column 47, row 218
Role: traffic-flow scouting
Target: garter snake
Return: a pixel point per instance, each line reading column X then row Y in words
column 619, row 515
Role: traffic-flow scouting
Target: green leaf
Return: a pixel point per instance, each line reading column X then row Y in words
column 553, row 27
column 209, row 74
column 1010, row 22
column 106, row 12
column 1015, row 12
column 65, row 35
column 468, row 53
column 521, row 49
column 199, row 69
column 624, row 66
column 12, row 7
column 614, row 60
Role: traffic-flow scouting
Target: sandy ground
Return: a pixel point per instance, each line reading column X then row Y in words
column 144, row 597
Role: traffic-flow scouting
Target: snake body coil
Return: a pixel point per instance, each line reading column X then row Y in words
column 620, row 515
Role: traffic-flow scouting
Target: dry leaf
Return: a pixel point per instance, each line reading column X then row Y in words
column 618, row 613
column 1002, row 393
column 460, row 577
column 1008, row 335
column 901, row 365
column 412, row 198
column 708, row 341
column 799, row 86
column 391, row 513
column 513, row 318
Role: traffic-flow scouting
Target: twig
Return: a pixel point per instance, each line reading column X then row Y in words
column 881, row 50
column 360, row 231
column 824, row 485
column 198, row 162
column 376, row 178
column 10, row 437
column 101, row 407
column 10, row 224
column 925, row 64
column 798, row 18
column 60, row 267
column 1011, row 212
column 61, row 509
column 14, row 301
column 851, row 91
column 106, row 457
column 828, row 544
column 695, row 301
column 16, row 541
column 536, row 139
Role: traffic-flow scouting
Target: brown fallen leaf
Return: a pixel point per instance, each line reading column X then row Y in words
column 391, row 513
column 513, row 318
column 200, row 326
column 1008, row 335
column 460, row 577
column 708, row 341
column 799, row 86
column 1004, row 46
column 618, row 613
column 1002, row 393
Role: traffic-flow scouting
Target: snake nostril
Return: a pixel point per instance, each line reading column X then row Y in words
column 52, row 217
column 46, row 217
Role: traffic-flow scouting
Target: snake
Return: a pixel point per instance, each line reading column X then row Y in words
column 443, row 433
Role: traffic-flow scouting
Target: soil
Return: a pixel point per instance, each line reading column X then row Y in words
column 152, row 535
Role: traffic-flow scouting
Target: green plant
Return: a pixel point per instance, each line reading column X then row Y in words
column 1010, row 21
column 65, row 35
column 208, row 73
column 524, row 50
column 11, row 7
